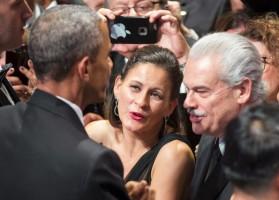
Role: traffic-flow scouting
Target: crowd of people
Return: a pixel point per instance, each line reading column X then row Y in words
column 190, row 117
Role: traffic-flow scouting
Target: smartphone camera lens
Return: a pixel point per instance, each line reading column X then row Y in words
column 142, row 31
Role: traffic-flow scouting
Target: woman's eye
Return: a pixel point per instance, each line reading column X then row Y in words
column 135, row 88
column 156, row 95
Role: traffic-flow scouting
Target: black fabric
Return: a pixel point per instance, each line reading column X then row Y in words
column 214, row 183
column 142, row 169
column 262, row 6
column 11, row 91
column 202, row 14
column 3, row 99
column 46, row 154
column 215, row 159
column 214, row 180
column 5, row 83
column 215, row 186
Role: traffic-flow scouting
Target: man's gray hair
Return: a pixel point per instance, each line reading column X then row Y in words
column 237, row 56
column 62, row 36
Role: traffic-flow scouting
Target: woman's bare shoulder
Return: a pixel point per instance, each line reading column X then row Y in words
column 175, row 153
column 99, row 130
column 176, row 161
column 174, row 150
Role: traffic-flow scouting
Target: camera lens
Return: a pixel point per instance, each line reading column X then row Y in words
column 142, row 31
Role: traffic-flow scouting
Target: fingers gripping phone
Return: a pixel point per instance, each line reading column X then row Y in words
column 18, row 57
column 132, row 30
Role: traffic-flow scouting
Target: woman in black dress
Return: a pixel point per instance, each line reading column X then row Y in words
column 143, row 126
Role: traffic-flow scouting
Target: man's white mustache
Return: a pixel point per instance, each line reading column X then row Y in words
column 195, row 112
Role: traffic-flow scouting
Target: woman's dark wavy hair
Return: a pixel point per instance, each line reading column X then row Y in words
column 163, row 59
column 265, row 29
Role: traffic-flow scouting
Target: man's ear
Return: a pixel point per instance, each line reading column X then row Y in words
column 117, row 84
column 82, row 68
column 243, row 91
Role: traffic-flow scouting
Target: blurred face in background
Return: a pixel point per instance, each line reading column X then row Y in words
column 270, row 74
column 13, row 15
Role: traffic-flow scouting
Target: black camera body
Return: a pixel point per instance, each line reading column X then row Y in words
column 132, row 30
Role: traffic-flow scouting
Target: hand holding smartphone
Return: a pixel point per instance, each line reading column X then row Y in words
column 132, row 30
column 18, row 57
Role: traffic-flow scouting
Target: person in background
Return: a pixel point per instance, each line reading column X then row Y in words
column 202, row 14
column 251, row 160
column 94, row 4
column 233, row 22
column 13, row 15
column 221, row 77
column 263, row 32
column 25, row 90
column 45, row 152
column 2, row 58
column 143, row 126
column 169, row 36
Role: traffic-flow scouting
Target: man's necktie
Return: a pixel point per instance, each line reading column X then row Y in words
column 214, row 179
column 215, row 160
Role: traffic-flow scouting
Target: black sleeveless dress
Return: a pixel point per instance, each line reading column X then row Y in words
column 142, row 169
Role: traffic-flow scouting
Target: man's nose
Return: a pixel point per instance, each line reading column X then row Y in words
column 189, row 101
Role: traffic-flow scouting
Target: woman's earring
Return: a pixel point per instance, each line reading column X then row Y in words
column 115, row 110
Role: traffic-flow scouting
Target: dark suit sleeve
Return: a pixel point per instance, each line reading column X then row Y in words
column 105, row 181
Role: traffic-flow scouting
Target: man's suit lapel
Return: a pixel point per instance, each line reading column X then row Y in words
column 3, row 99
column 10, row 91
column 216, row 182
column 52, row 104
column 204, row 153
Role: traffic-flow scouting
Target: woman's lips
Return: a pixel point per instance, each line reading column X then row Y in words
column 136, row 116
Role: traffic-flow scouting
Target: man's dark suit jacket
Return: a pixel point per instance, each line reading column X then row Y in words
column 202, row 14
column 220, row 189
column 45, row 154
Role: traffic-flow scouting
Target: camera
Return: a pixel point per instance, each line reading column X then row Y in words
column 132, row 30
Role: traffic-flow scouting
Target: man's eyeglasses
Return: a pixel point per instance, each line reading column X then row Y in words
column 141, row 8
column 266, row 61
